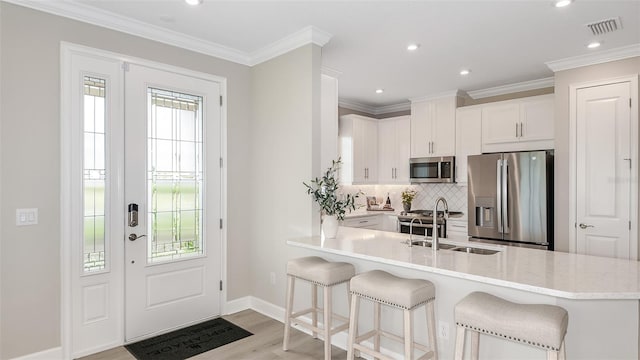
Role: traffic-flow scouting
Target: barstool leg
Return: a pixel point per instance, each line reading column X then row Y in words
column 353, row 325
column 408, row 335
column 431, row 323
column 376, row 326
column 314, row 312
column 327, row 321
column 460, row 332
column 563, row 352
column 289, row 310
column 475, row 345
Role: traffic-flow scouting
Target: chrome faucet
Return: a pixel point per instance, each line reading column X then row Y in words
column 411, row 230
column 434, row 232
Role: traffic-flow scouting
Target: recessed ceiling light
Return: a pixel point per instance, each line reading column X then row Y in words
column 593, row 45
column 464, row 72
column 193, row 2
column 563, row 3
column 413, row 47
column 379, row 91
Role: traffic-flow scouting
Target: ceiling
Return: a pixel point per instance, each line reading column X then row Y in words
column 502, row 42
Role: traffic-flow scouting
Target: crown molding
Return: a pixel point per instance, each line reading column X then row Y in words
column 512, row 88
column 353, row 105
column 308, row 35
column 446, row 94
column 373, row 110
column 88, row 14
column 393, row 108
column 594, row 58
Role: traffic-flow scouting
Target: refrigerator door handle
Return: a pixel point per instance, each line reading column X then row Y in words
column 505, row 197
column 499, row 194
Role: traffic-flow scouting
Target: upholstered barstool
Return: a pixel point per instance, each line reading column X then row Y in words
column 539, row 325
column 406, row 294
column 318, row 272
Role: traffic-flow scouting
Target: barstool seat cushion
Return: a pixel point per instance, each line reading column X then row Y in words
column 320, row 271
column 535, row 324
column 388, row 289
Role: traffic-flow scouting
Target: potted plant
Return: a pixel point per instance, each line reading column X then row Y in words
column 407, row 198
column 333, row 204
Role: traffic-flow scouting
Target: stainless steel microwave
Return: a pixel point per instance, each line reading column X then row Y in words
column 432, row 169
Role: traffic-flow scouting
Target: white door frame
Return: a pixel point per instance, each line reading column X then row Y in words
column 573, row 120
column 67, row 137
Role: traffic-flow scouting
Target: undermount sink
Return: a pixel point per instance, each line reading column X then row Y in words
column 427, row 243
column 472, row 250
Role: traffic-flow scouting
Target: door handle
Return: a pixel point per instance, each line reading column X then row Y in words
column 584, row 226
column 134, row 237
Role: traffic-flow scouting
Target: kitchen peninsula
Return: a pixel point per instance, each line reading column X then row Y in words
column 600, row 294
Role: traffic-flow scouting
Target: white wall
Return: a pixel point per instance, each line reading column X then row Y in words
column 30, row 165
column 284, row 142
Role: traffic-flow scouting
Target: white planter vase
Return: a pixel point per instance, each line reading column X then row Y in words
column 330, row 226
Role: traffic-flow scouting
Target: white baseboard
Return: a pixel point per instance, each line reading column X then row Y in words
column 51, row 354
column 268, row 309
column 237, row 305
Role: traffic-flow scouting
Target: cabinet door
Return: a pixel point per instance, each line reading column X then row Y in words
column 499, row 126
column 537, row 119
column 403, row 149
column 444, row 128
column 370, row 150
column 359, row 151
column 468, row 139
column 421, row 129
column 386, row 151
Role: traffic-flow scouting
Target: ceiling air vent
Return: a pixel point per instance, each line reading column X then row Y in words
column 605, row 26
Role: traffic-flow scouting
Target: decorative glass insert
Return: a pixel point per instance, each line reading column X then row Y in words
column 174, row 176
column 94, row 174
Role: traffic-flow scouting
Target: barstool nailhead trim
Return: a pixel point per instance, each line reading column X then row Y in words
column 393, row 304
column 546, row 347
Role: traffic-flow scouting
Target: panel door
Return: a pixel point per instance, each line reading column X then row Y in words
column 444, row 128
column 499, row 123
column 603, row 170
column 403, row 149
column 386, row 151
column 421, row 125
column 172, row 175
column 370, row 151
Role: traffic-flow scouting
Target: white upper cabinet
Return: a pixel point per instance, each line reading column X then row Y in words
column 358, row 143
column 433, row 128
column 468, row 139
column 517, row 125
column 394, row 137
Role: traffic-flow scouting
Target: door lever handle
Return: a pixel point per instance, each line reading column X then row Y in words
column 584, row 226
column 134, row 237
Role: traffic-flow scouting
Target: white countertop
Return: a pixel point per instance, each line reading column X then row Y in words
column 558, row 274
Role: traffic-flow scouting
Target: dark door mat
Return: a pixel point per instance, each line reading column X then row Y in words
column 187, row 342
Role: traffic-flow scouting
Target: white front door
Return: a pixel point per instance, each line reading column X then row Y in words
column 603, row 170
column 172, row 176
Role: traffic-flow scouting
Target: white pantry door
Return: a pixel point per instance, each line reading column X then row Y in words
column 603, row 173
column 172, row 175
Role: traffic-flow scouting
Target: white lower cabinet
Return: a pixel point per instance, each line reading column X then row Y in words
column 383, row 222
column 457, row 228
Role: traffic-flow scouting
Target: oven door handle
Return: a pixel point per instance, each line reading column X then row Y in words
column 416, row 224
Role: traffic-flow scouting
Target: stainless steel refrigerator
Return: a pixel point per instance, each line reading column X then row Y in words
column 511, row 198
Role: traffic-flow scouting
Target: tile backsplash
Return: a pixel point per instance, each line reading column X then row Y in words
column 455, row 195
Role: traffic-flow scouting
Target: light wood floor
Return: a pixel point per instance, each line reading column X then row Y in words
column 264, row 344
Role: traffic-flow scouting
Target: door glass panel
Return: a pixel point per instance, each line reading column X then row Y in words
column 174, row 175
column 94, row 174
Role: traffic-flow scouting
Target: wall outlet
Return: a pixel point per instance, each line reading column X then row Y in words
column 272, row 278
column 443, row 330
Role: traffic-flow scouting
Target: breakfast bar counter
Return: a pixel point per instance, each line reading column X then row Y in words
column 601, row 294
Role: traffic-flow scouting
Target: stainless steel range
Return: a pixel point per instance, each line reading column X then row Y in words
column 423, row 225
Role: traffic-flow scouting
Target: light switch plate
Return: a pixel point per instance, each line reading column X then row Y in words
column 26, row 217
